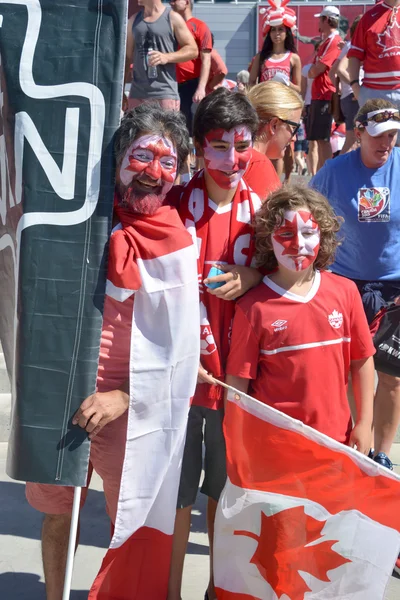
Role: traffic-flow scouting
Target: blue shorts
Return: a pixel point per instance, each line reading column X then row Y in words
column 376, row 295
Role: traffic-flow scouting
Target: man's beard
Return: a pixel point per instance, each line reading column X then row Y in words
column 140, row 202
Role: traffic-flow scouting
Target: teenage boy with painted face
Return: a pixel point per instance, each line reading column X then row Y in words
column 298, row 335
column 217, row 207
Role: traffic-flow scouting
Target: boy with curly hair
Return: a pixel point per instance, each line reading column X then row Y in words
column 298, row 335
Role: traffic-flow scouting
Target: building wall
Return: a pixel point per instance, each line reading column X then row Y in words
column 234, row 29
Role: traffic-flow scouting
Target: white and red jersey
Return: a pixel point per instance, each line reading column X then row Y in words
column 376, row 43
column 273, row 66
column 297, row 350
column 328, row 52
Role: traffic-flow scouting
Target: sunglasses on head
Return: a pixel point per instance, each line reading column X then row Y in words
column 382, row 117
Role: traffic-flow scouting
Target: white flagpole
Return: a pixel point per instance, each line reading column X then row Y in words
column 72, row 543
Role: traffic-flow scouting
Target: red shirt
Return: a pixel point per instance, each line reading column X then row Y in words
column 328, row 52
column 217, row 67
column 191, row 68
column 298, row 351
column 376, row 43
column 261, row 175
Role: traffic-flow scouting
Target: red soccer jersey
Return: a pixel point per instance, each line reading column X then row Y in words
column 261, row 175
column 328, row 52
column 191, row 68
column 297, row 351
column 376, row 43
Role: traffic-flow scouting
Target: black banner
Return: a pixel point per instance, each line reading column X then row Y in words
column 60, row 98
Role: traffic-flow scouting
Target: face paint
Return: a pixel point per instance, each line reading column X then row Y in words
column 149, row 166
column 227, row 154
column 296, row 241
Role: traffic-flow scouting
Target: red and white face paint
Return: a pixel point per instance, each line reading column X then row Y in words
column 150, row 164
column 227, row 155
column 296, row 241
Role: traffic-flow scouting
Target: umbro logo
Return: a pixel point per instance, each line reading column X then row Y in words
column 279, row 325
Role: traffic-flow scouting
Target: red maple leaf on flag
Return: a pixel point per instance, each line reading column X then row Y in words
column 283, row 550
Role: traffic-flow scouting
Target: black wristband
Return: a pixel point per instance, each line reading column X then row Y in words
column 354, row 81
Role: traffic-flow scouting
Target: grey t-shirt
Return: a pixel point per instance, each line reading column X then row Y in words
column 159, row 36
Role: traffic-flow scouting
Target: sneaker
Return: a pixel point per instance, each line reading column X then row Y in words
column 382, row 459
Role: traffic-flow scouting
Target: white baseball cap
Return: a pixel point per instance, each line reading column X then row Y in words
column 329, row 11
column 390, row 120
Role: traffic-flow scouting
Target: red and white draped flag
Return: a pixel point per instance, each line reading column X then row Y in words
column 301, row 516
column 152, row 257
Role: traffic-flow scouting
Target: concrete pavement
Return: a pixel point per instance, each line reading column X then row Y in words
column 21, row 576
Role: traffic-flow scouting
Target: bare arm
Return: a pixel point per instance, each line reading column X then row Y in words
column 316, row 70
column 296, row 73
column 363, row 378
column 303, row 89
column 130, row 46
column 343, row 70
column 255, row 69
column 354, row 74
column 188, row 48
column 333, row 72
column 204, row 75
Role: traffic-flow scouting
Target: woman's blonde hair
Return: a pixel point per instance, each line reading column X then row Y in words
column 274, row 99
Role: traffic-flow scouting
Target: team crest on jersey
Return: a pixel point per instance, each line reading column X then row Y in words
column 389, row 40
column 335, row 319
column 374, row 205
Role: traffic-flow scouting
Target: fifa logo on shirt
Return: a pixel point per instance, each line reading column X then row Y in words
column 335, row 319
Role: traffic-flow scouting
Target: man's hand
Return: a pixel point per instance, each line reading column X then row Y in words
column 203, row 376
column 361, row 437
column 199, row 94
column 237, row 281
column 157, row 58
column 99, row 409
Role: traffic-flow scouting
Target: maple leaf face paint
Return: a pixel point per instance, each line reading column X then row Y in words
column 296, row 241
column 148, row 171
column 227, row 155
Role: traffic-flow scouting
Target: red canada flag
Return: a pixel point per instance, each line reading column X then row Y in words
column 301, row 516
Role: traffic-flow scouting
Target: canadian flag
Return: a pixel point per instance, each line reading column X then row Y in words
column 154, row 258
column 301, row 516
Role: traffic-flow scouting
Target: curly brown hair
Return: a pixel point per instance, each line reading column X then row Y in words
column 271, row 215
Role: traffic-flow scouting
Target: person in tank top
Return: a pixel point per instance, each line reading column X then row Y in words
column 154, row 34
column 279, row 61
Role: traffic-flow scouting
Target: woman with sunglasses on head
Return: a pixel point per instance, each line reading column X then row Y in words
column 363, row 186
column 279, row 109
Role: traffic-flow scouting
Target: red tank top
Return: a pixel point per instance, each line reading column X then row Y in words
column 272, row 66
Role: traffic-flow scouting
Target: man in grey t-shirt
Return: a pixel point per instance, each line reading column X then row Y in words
column 153, row 36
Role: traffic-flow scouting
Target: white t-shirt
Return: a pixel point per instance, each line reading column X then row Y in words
column 304, row 72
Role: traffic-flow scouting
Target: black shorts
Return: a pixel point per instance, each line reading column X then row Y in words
column 210, row 421
column 186, row 92
column 319, row 121
column 376, row 295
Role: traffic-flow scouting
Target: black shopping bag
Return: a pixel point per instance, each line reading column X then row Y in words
column 386, row 326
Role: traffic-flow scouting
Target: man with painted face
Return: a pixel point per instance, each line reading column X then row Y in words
column 217, row 207
column 303, row 330
column 151, row 144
